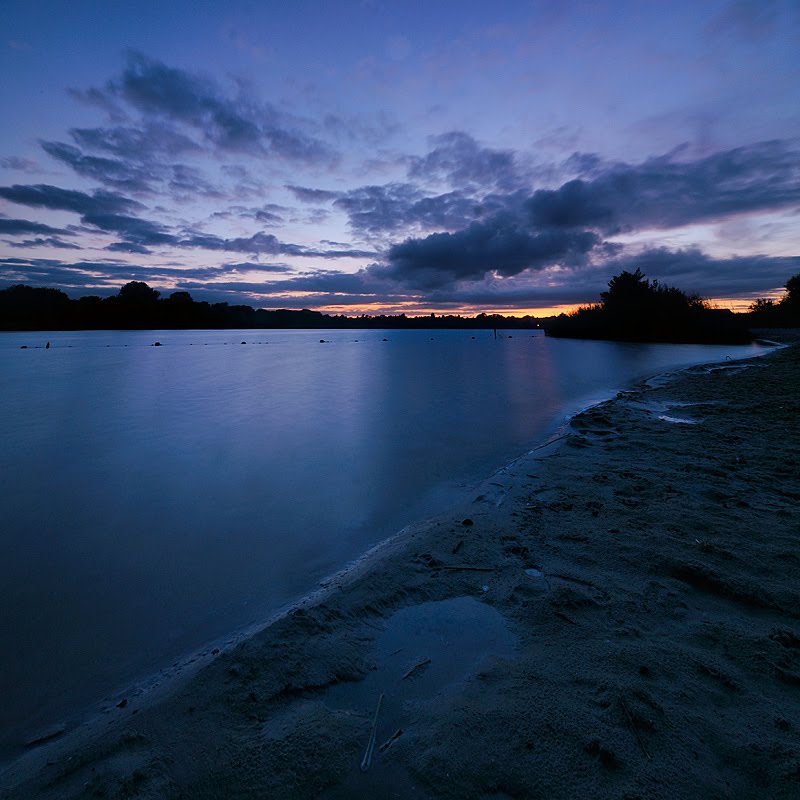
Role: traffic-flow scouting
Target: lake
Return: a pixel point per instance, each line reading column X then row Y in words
column 155, row 499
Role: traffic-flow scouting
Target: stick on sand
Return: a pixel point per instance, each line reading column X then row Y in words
column 367, row 760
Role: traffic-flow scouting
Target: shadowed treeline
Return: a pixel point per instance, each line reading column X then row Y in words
column 635, row 309
column 139, row 307
column 783, row 313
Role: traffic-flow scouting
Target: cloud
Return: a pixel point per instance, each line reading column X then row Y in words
column 135, row 172
column 46, row 241
column 373, row 130
column 19, row 164
column 497, row 246
column 22, row 227
column 511, row 232
column 664, row 192
column 128, row 247
column 267, row 214
column 131, row 142
column 45, row 196
column 108, row 276
column 692, row 270
column 398, row 206
column 267, row 244
column 132, row 229
column 306, row 195
column 459, row 160
column 99, row 210
column 120, row 174
column 255, row 266
column 226, row 123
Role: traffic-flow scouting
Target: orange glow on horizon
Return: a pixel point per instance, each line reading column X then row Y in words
column 412, row 309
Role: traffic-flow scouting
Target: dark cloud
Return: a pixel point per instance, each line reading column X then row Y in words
column 460, row 161
column 335, row 282
column 515, row 231
column 135, row 143
column 316, row 216
column 258, row 243
column 267, row 217
column 99, row 98
column 664, row 192
column 496, row 246
column 268, row 214
column 692, row 270
column 267, row 244
column 306, row 195
column 661, row 192
column 45, row 196
column 136, row 173
column 186, row 181
column 139, row 235
column 227, row 123
column 121, row 174
column 128, row 247
column 132, row 229
column 255, row 266
column 689, row 269
column 45, row 241
column 399, row 206
column 106, row 277
column 23, row 227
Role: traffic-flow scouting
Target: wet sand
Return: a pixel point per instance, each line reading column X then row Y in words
column 614, row 615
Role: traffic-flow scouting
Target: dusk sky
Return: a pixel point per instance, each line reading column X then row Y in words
column 368, row 155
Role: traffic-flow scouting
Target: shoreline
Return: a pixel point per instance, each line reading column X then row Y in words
column 327, row 637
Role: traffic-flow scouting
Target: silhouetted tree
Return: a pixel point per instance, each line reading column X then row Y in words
column 784, row 313
column 137, row 292
column 636, row 309
column 792, row 297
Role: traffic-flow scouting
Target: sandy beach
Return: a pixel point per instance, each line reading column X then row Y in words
column 614, row 615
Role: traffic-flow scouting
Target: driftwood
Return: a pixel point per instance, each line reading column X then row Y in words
column 632, row 726
column 391, row 740
column 413, row 669
column 367, row 760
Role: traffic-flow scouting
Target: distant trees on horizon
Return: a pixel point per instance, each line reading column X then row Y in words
column 632, row 309
column 138, row 306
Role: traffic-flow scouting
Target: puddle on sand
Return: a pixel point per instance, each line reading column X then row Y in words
column 423, row 651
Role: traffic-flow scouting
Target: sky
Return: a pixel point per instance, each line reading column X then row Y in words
column 387, row 156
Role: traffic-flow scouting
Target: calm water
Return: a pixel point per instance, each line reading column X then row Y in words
column 154, row 499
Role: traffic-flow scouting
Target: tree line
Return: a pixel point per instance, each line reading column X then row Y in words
column 632, row 309
column 138, row 306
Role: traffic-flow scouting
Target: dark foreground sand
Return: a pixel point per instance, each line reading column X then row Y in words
column 635, row 634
